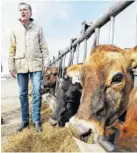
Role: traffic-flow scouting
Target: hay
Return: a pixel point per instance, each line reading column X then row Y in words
column 50, row 140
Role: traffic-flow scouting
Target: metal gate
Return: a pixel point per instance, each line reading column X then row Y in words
column 89, row 30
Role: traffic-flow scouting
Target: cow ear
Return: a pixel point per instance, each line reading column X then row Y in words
column 131, row 56
column 84, row 71
column 74, row 70
column 55, row 71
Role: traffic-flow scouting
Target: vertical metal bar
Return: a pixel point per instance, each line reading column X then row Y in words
column 71, row 50
column 59, row 60
column 69, row 61
column 94, row 44
column 64, row 57
column 60, row 67
column 111, row 30
column 85, row 41
column 63, row 65
column 77, row 54
column 85, row 49
column 97, row 33
column 72, row 61
column 83, row 28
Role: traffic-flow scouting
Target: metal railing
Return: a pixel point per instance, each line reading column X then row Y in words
column 88, row 30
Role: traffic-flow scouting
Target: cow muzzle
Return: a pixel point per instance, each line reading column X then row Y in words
column 82, row 130
column 88, row 132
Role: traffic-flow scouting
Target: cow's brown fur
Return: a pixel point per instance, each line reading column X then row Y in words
column 91, row 77
column 97, row 73
column 128, row 132
column 74, row 70
column 50, row 76
column 107, row 48
column 131, row 56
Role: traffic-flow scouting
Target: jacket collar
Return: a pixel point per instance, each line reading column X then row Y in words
column 30, row 24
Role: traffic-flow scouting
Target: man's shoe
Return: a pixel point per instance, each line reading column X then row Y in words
column 23, row 125
column 38, row 127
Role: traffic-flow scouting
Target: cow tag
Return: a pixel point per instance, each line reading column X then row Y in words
column 75, row 79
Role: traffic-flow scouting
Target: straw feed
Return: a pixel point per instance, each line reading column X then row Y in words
column 50, row 140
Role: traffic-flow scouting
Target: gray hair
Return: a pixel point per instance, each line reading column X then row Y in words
column 29, row 7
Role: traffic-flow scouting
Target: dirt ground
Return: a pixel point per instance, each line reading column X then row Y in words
column 10, row 108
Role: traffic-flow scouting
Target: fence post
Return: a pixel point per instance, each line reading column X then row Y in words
column 63, row 65
column 111, row 30
column 77, row 53
column 85, row 26
column 72, row 50
column 59, row 53
column 94, row 44
column 97, row 33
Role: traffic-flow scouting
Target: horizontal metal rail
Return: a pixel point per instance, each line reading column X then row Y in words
column 113, row 11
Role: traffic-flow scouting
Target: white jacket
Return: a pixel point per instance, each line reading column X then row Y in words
column 28, row 49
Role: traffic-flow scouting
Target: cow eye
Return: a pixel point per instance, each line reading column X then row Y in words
column 117, row 78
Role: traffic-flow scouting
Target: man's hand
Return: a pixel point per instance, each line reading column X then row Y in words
column 13, row 74
column 46, row 68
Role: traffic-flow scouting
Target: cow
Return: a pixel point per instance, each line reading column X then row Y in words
column 68, row 97
column 50, row 78
column 107, row 82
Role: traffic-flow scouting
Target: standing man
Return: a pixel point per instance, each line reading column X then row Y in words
column 28, row 55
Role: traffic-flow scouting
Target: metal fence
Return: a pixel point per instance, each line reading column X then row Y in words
column 87, row 31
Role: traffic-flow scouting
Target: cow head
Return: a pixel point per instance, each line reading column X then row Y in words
column 49, row 79
column 68, row 98
column 107, row 81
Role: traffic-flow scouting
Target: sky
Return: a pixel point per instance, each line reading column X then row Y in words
column 62, row 20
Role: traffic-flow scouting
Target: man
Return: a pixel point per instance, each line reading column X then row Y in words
column 28, row 55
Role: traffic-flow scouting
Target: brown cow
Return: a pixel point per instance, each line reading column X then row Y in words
column 128, row 131
column 107, row 83
column 49, row 79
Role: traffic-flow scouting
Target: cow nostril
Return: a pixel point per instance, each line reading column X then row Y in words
column 81, row 132
column 61, row 123
column 87, row 137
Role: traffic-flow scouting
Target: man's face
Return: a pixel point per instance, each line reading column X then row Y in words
column 25, row 13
